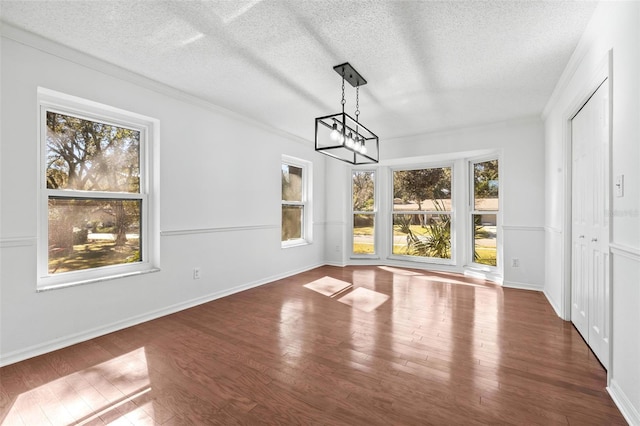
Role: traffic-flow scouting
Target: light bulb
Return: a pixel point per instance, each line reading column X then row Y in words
column 350, row 141
column 335, row 135
column 360, row 146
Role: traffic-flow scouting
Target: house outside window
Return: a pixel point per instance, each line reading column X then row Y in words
column 95, row 221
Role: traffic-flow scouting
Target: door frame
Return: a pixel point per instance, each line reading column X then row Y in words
column 604, row 71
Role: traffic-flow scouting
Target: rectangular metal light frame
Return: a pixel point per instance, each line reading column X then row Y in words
column 340, row 151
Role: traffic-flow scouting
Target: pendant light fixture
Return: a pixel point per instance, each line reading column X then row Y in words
column 342, row 137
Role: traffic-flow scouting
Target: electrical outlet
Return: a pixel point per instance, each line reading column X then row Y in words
column 196, row 273
column 515, row 262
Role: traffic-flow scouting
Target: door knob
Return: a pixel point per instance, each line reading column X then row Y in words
column 593, row 240
column 581, row 236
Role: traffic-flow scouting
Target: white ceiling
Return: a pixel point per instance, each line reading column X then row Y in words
column 430, row 65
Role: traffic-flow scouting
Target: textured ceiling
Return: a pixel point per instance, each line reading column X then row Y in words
column 429, row 65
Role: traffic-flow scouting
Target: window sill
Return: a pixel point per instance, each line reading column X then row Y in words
column 73, row 283
column 295, row 243
column 425, row 260
column 483, row 272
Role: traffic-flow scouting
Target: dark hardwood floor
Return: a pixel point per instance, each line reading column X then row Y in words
column 397, row 347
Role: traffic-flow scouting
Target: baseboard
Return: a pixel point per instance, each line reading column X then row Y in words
column 552, row 303
column 63, row 342
column 521, row 286
column 629, row 412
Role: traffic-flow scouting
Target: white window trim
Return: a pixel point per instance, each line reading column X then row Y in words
column 50, row 100
column 471, row 265
column 306, row 203
column 374, row 212
column 452, row 213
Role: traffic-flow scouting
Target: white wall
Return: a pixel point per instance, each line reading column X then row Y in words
column 219, row 203
column 614, row 27
column 520, row 145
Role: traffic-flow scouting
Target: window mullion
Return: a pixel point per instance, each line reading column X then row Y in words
column 57, row 193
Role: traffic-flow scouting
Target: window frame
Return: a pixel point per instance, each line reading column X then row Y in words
column 49, row 100
column 373, row 212
column 472, row 212
column 305, row 203
column 452, row 214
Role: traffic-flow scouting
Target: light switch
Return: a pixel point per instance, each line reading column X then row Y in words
column 619, row 186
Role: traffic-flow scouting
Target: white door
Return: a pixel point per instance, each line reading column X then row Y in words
column 590, row 222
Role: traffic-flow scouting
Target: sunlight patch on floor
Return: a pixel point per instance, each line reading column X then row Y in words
column 439, row 279
column 86, row 395
column 398, row 271
column 364, row 299
column 328, row 286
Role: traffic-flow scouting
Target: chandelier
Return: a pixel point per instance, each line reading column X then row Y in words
column 340, row 135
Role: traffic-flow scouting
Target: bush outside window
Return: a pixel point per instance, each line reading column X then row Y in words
column 422, row 213
column 364, row 212
column 484, row 217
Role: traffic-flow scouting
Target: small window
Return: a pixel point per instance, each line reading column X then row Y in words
column 422, row 213
column 364, row 212
column 484, row 212
column 295, row 202
column 95, row 195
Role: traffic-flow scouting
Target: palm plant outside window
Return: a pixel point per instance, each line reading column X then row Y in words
column 422, row 213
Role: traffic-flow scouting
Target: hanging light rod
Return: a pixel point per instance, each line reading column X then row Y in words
column 343, row 137
column 350, row 74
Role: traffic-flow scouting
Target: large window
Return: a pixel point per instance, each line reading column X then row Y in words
column 295, row 202
column 422, row 213
column 484, row 212
column 95, row 194
column 364, row 212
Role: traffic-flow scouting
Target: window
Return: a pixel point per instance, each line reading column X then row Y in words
column 422, row 213
column 295, row 206
column 484, row 212
column 95, row 193
column 364, row 212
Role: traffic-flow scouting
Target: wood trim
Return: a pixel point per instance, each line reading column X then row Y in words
column 523, row 228
column 624, row 404
column 553, row 305
column 625, row 251
column 18, row 242
column 523, row 286
column 195, row 231
column 553, row 230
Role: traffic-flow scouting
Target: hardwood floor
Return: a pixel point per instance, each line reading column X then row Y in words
column 396, row 346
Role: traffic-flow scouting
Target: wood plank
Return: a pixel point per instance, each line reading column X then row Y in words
column 443, row 349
